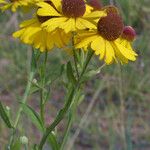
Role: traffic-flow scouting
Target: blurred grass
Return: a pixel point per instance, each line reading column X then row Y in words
column 127, row 88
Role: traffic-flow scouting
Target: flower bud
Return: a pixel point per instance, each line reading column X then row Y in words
column 24, row 140
column 129, row 33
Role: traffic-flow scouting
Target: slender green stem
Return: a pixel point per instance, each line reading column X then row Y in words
column 65, row 109
column 69, row 125
column 75, row 61
column 26, row 94
column 70, row 119
column 24, row 99
column 43, row 78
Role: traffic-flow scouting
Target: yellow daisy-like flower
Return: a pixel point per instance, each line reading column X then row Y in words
column 111, row 40
column 14, row 4
column 32, row 33
column 68, row 15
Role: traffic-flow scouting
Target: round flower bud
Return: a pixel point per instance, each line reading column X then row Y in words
column 96, row 4
column 110, row 27
column 129, row 33
column 73, row 8
column 7, row 108
column 24, row 140
column 111, row 9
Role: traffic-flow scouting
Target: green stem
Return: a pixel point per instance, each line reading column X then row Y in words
column 24, row 99
column 42, row 101
column 69, row 125
column 65, row 109
column 26, row 94
column 70, row 120
column 75, row 62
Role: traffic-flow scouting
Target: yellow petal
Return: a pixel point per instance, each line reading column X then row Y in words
column 53, row 23
column 46, row 10
column 125, row 52
column 99, row 46
column 57, row 4
column 85, row 23
column 86, row 41
column 68, row 25
column 109, row 54
column 96, row 14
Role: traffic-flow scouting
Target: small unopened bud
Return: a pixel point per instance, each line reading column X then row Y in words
column 111, row 9
column 8, row 108
column 129, row 33
column 34, row 81
column 24, row 140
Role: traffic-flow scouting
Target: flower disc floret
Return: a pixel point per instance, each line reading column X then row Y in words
column 110, row 27
column 73, row 8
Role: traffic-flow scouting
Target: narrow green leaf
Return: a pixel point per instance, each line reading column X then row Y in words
column 5, row 116
column 53, row 142
column 70, row 75
column 33, row 115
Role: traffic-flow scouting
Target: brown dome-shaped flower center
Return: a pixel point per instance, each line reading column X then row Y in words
column 129, row 33
column 73, row 8
column 110, row 27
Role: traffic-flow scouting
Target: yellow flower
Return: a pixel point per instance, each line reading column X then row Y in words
column 14, row 4
column 32, row 33
column 109, row 40
column 68, row 15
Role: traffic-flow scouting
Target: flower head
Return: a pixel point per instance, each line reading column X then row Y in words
column 69, row 15
column 32, row 33
column 108, row 40
column 110, row 27
column 14, row 4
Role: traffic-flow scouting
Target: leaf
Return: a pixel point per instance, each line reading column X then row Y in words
column 90, row 74
column 70, row 75
column 53, row 142
column 5, row 116
column 16, row 145
column 33, row 115
column 54, row 74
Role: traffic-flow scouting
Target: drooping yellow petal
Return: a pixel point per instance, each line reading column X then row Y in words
column 96, row 14
column 80, row 23
column 68, row 25
column 46, row 10
column 85, row 41
column 125, row 52
column 53, row 23
column 99, row 46
column 27, row 22
column 57, row 4
column 109, row 53
column 119, row 56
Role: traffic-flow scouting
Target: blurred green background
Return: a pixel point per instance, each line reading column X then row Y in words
column 120, row 114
